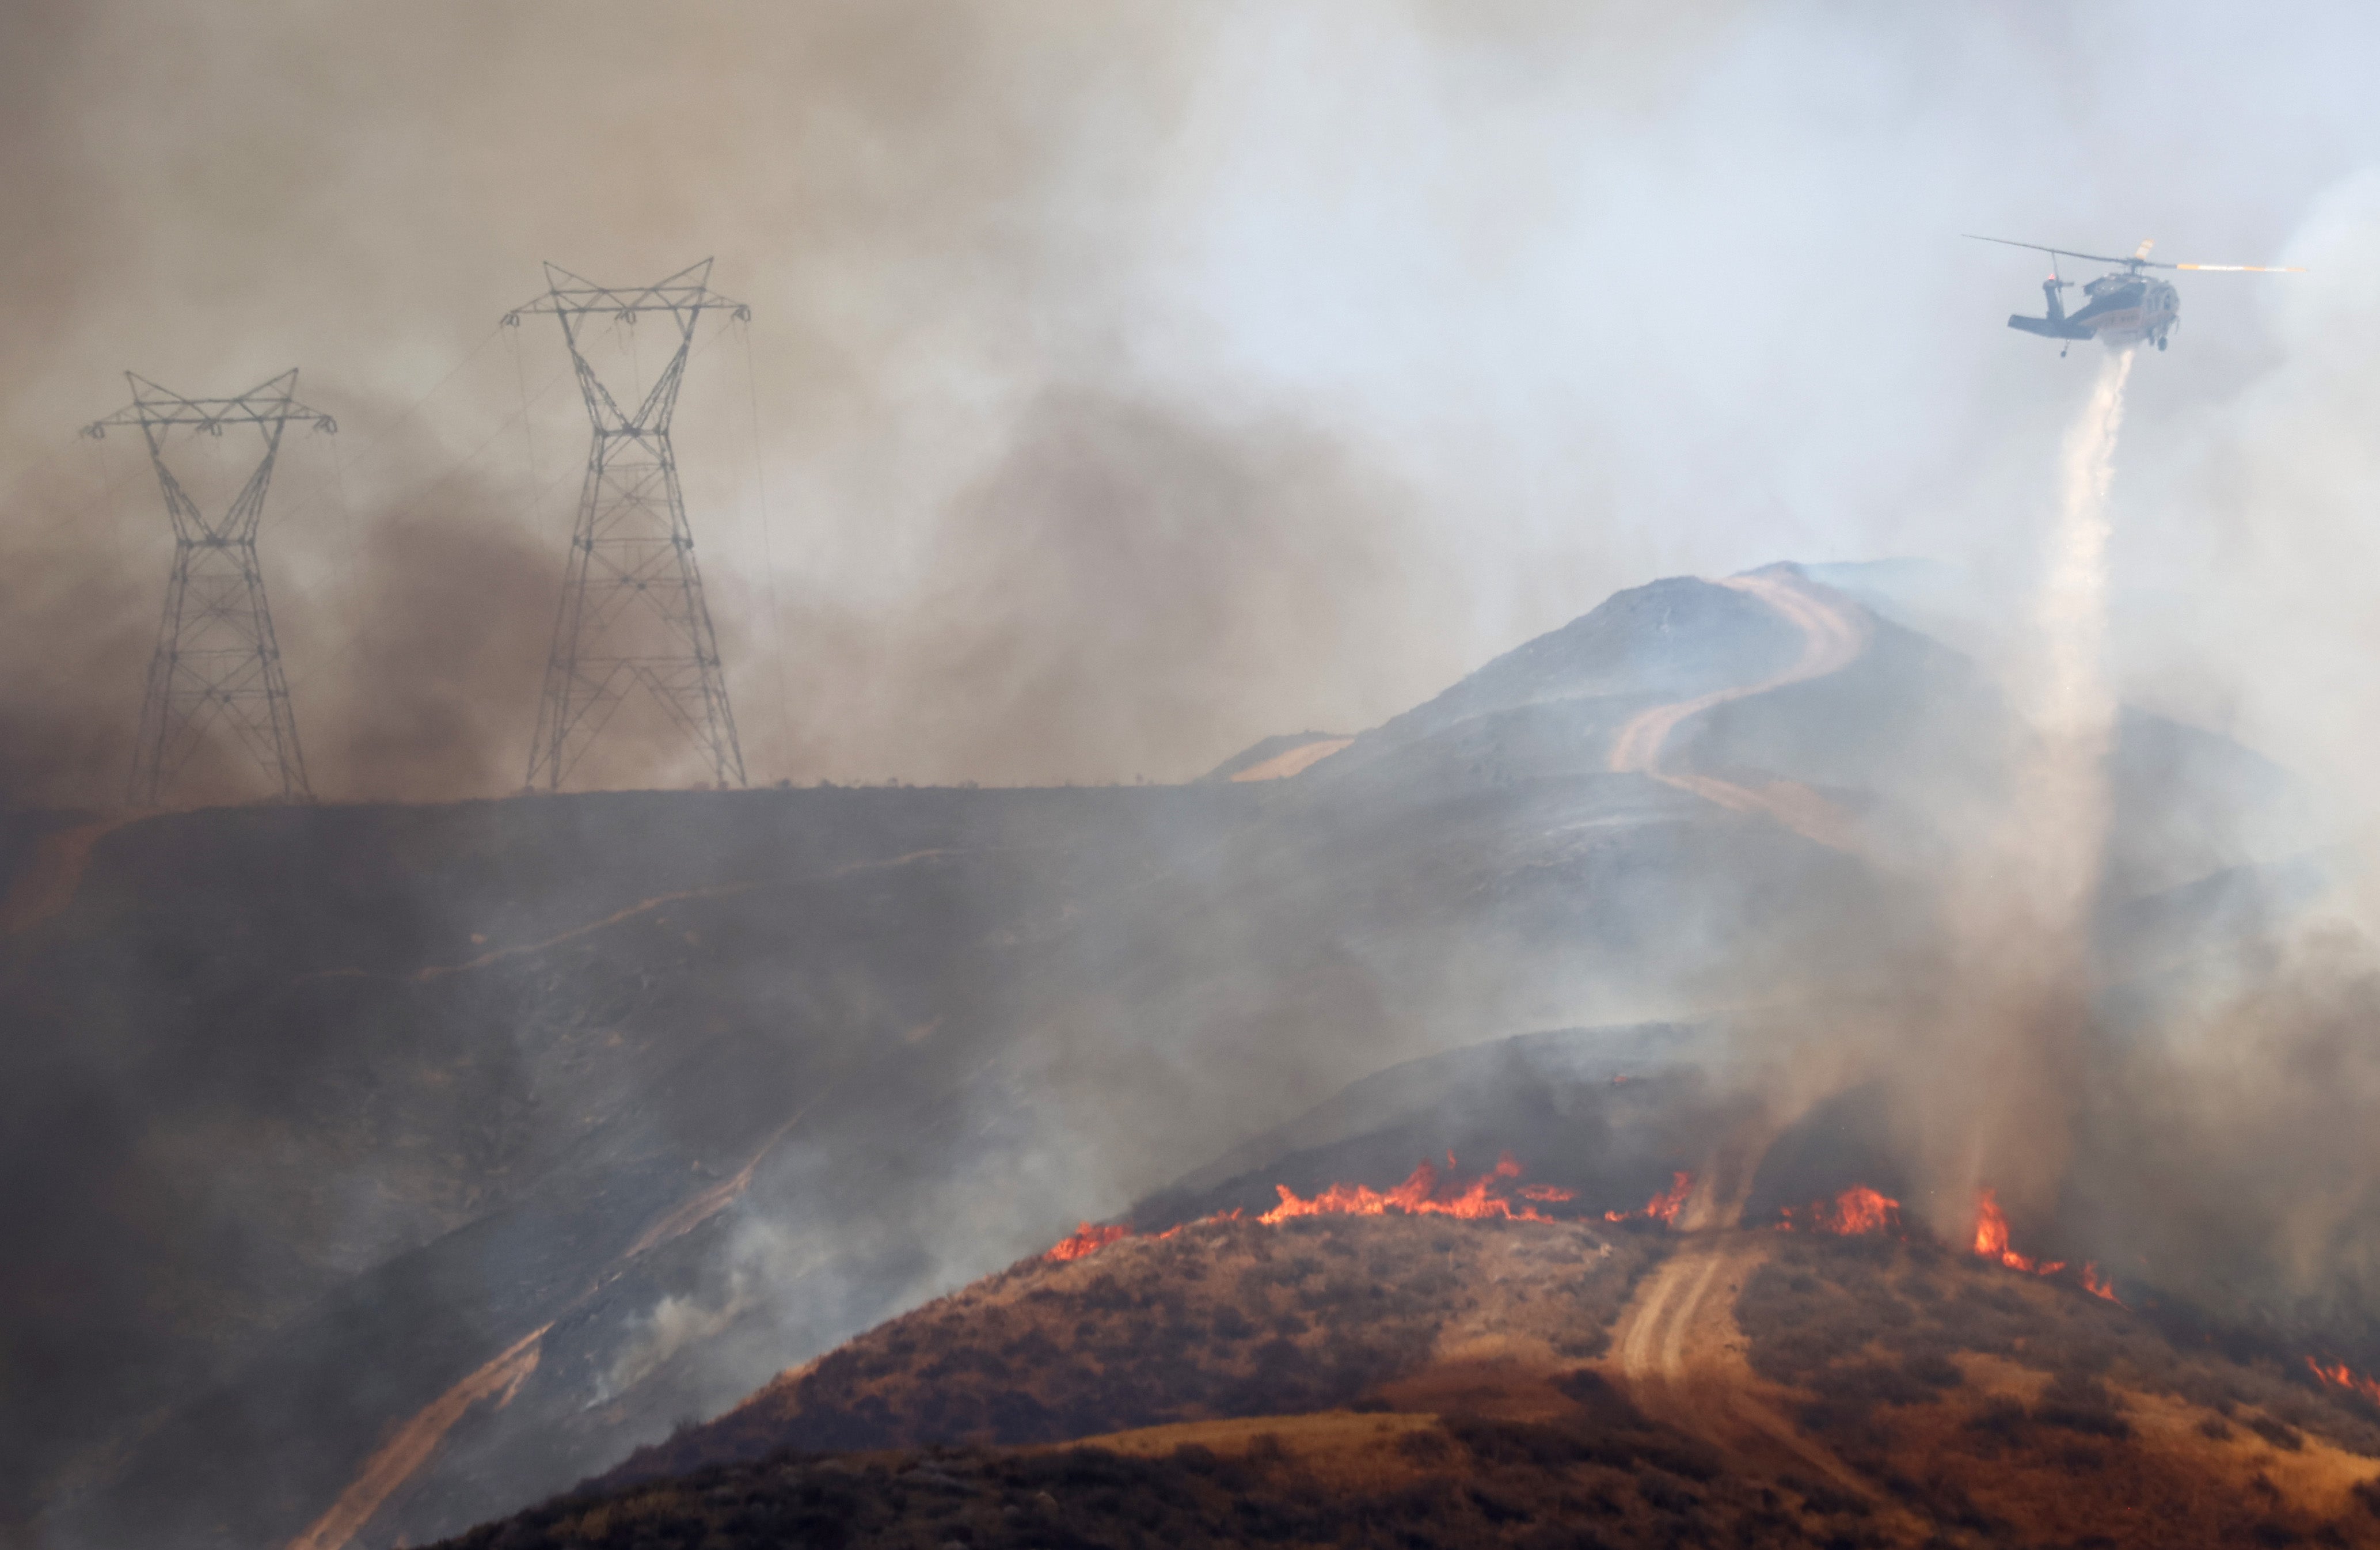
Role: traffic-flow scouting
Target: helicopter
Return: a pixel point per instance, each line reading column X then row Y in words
column 2126, row 306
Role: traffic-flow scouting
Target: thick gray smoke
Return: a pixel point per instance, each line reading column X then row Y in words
column 1449, row 260
column 1129, row 383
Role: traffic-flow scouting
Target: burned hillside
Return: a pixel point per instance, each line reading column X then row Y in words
column 661, row 1091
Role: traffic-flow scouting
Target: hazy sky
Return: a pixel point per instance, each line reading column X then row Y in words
column 1127, row 382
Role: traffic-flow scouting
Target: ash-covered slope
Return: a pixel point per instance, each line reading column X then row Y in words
column 339, row 1111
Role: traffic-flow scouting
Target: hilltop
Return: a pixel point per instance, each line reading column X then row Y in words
column 1396, row 1380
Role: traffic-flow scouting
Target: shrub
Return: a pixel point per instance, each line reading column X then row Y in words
column 2285, row 1438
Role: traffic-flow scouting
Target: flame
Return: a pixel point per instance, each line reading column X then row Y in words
column 1230, row 1216
column 1992, row 1239
column 1419, row 1195
column 1992, row 1235
column 1663, row 1207
column 1857, row 1210
column 2096, row 1287
column 2339, row 1376
column 1087, row 1239
column 1991, row 1228
column 1860, row 1209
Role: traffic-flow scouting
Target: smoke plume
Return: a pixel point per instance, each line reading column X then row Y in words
column 1127, row 384
column 2005, row 1051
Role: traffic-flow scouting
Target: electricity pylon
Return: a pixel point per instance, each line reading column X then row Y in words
column 632, row 614
column 217, row 667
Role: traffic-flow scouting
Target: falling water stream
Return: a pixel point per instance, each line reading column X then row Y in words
column 1992, row 1085
column 2062, row 786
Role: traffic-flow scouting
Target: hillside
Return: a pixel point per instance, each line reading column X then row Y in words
column 528, row 1130
column 1399, row 1380
column 1223, row 1318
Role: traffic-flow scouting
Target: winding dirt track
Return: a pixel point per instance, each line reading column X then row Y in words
column 1678, row 1350
column 414, row 1443
column 1676, row 1346
column 1832, row 639
column 395, row 1460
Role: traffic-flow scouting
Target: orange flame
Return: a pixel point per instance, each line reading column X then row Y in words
column 2338, row 1375
column 1086, row 1240
column 1419, row 1196
column 1991, row 1229
column 1857, row 1210
column 1230, row 1216
column 1663, row 1207
column 1860, row 1209
column 1992, row 1239
column 2096, row 1287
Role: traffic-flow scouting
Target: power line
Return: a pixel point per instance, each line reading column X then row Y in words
column 633, row 615
column 217, row 666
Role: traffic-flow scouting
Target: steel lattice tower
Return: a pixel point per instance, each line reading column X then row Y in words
column 217, row 666
column 632, row 614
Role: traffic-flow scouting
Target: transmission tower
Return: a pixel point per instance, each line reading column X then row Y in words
column 217, row 667
column 632, row 612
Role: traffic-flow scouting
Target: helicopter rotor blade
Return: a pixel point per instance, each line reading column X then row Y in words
column 2044, row 248
column 2242, row 268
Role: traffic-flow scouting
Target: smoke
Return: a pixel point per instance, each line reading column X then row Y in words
column 1156, row 533
column 1457, row 255
column 1125, row 384
column 2232, row 1152
column 84, row 637
column 2003, row 1049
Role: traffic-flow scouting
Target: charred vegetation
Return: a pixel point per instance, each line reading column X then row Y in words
column 1223, row 1318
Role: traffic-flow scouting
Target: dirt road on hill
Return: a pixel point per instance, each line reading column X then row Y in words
column 1677, row 1350
column 1832, row 638
column 395, row 1459
column 1676, row 1346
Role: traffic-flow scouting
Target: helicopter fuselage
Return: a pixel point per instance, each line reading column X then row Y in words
column 2125, row 308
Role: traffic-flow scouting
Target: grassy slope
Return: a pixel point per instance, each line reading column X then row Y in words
column 1224, row 1318
column 2014, row 1410
column 1390, row 1380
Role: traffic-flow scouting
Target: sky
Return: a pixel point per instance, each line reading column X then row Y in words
column 1127, row 382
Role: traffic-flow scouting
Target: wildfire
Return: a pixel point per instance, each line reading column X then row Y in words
column 1086, row 1240
column 1992, row 1243
column 1663, row 1207
column 1420, row 1195
column 1992, row 1239
column 1857, row 1210
column 2339, row 1376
